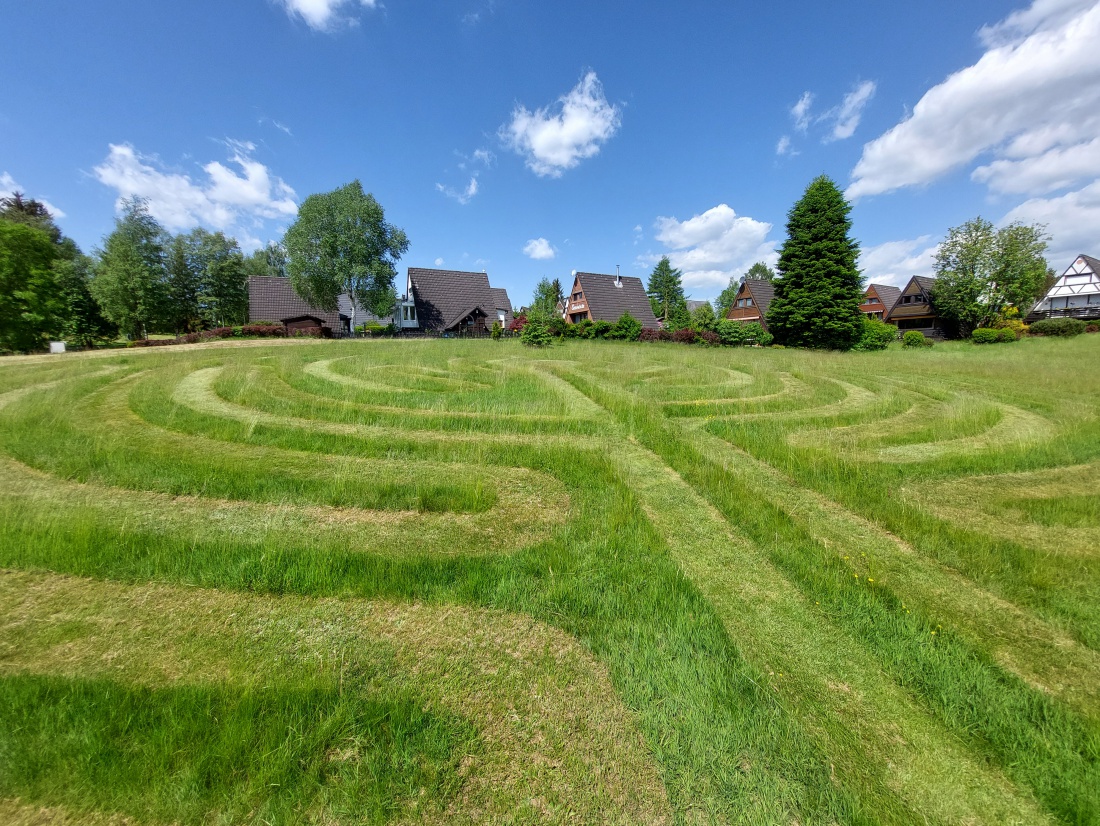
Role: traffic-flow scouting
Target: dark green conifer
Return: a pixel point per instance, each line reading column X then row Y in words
column 818, row 293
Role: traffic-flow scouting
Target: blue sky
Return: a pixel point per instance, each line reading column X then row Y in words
column 532, row 139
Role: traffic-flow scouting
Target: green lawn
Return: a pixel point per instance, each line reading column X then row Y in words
column 463, row 581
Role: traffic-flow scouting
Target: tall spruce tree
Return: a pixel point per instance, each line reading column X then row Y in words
column 818, row 293
column 666, row 295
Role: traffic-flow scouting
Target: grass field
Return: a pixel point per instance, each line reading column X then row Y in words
column 462, row 581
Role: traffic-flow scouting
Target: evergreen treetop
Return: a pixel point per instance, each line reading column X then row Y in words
column 818, row 293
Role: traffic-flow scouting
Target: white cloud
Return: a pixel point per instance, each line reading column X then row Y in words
column 713, row 247
column 464, row 196
column 439, row 262
column 9, row 187
column 1057, row 168
column 846, row 117
column 1072, row 220
column 483, row 156
column 784, row 146
column 228, row 200
column 559, row 137
column 325, row 15
column 539, row 249
column 801, row 112
column 1034, row 92
column 895, row 262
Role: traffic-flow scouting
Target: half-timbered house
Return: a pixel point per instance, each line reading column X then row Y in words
column 1075, row 295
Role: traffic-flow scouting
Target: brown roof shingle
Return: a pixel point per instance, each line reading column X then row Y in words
column 272, row 298
column 445, row 297
column 607, row 302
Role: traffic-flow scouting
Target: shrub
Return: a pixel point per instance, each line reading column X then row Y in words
column 582, row 329
column 495, row 333
column 1014, row 324
column 600, row 329
column 1058, row 327
column 556, row 325
column 731, row 332
column 915, row 338
column 518, row 323
column 710, row 338
column 536, row 333
column 1006, row 334
column 1092, row 328
column 986, row 335
column 649, row 335
column 626, row 328
column 685, row 336
column 876, row 335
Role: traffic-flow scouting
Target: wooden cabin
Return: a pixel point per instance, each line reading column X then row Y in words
column 272, row 298
column 754, row 296
column 913, row 309
column 878, row 299
column 598, row 297
column 1075, row 295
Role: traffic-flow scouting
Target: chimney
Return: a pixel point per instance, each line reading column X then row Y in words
column 618, row 278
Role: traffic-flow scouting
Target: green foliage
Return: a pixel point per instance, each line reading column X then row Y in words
column 703, row 319
column 30, row 306
column 915, row 338
column 341, row 243
column 666, row 295
column 760, row 272
column 877, row 335
column 15, row 209
column 207, row 282
column 84, row 324
column 495, row 333
column 536, row 332
column 987, row 335
column 817, row 299
column 267, row 260
column 737, row 333
column 548, row 296
column 726, row 298
column 626, row 328
column 1057, row 327
column 599, row 329
column 582, row 329
column 982, row 271
column 130, row 273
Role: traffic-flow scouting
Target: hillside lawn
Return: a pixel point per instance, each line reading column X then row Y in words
column 374, row 581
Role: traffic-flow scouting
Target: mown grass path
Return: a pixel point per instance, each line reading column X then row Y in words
column 612, row 583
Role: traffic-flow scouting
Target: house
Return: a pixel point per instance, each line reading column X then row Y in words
column 751, row 303
column 597, row 297
column 1075, row 295
column 272, row 298
column 452, row 302
column 693, row 305
column 878, row 299
column 913, row 309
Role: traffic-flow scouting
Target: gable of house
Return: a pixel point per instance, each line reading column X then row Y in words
column 1075, row 295
column 599, row 297
column 452, row 300
column 751, row 303
column 878, row 299
column 913, row 309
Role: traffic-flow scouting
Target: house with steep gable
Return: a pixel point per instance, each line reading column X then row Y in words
column 1075, row 295
column 598, row 297
column 913, row 309
column 272, row 298
column 452, row 302
column 878, row 299
column 751, row 303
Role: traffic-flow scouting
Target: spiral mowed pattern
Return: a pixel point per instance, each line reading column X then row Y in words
column 603, row 583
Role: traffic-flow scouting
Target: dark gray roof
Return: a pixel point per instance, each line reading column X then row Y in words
column 607, row 302
column 271, row 298
column 926, row 282
column 694, row 305
column 762, row 292
column 500, row 296
column 887, row 295
column 445, row 297
column 1094, row 263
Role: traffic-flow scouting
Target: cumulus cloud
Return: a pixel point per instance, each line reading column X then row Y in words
column 1072, row 220
column 895, row 262
column 845, row 118
column 558, row 137
column 229, row 199
column 1032, row 100
column 539, row 249
column 9, row 187
column 713, row 247
column 439, row 262
column 463, row 196
column 326, row 15
column 783, row 147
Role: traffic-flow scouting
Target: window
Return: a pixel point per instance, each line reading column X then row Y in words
column 748, row 302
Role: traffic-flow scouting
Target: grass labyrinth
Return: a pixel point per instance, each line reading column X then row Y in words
column 459, row 582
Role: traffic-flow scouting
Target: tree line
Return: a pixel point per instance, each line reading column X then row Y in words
column 984, row 275
column 142, row 280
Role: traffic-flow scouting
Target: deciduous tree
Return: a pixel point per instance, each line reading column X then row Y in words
column 342, row 243
column 130, row 280
column 548, row 295
column 818, row 294
column 29, row 303
column 83, row 324
column 760, row 272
